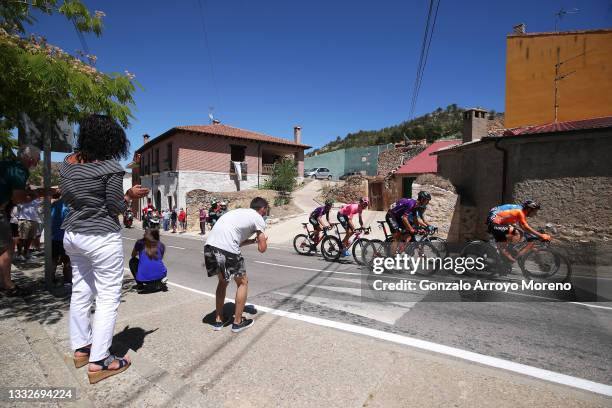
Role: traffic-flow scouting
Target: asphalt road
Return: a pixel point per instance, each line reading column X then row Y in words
column 569, row 338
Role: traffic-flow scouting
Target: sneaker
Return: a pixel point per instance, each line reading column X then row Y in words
column 345, row 253
column 19, row 258
column 244, row 324
column 219, row 325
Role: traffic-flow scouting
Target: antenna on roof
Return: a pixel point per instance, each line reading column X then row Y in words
column 211, row 117
column 561, row 13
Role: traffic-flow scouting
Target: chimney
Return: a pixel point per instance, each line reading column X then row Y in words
column 297, row 134
column 145, row 139
column 475, row 124
column 519, row 28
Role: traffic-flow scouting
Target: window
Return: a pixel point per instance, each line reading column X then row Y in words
column 237, row 153
column 169, row 156
column 156, row 161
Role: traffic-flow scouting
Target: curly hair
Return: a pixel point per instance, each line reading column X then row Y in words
column 101, row 138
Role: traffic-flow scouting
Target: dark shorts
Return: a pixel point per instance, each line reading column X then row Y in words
column 15, row 230
column 343, row 220
column 394, row 224
column 499, row 231
column 314, row 222
column 57, row 249
column 220, row 261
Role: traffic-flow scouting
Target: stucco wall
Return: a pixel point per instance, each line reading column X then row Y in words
column 342, row 161
column 569, row 173
column 530, row 73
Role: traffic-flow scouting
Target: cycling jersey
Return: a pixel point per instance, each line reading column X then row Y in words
column 511, row 216
column 319, row 212
column 402, row 207
column 349, row 210
column 493, row 212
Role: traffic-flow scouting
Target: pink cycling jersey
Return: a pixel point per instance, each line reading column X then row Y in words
column 351, row 209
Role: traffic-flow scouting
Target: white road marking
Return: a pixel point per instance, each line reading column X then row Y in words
column 416, row 280
column 130, row 239
column 535, row 372
column 364, row 294
column 170, row 246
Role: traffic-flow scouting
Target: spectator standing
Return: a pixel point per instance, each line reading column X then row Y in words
column 182, row 217
column 92, row 187
column 173, row 219
column 203, row 216
column 222, row 257
column 59, row 211
column 15, row 226
column 213, row 213
column 15, row 174
column 29, row 221
column 166, row 218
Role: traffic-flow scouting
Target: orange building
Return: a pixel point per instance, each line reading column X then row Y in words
column 574, row 65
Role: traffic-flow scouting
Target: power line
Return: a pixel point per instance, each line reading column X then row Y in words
column 433, row 27
column 210, row 60
column 425, row 46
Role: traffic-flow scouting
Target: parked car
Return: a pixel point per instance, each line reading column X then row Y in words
column 349, row 174
column 318, row 173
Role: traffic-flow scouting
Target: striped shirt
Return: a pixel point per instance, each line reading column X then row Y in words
column 94, row 194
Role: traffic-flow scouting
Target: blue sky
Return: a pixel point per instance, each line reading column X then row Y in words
column 332, row 67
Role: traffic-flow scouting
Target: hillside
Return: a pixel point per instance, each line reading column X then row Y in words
column 438, row 124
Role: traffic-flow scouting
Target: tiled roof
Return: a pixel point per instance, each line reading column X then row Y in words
column 594, row 123
column 559, row 127
column 230, row 131
column 223, row 130
column 426, row 162
column 575, row 32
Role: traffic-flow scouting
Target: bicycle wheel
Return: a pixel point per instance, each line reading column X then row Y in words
column 428, row 257
column 545, row 264
column 331, row 248
column 358, row 248
column 302, row 244
column 375, row 248
column 441, row 245
column 482, row 254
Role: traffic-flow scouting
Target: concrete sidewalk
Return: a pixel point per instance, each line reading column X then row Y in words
column 178, row 360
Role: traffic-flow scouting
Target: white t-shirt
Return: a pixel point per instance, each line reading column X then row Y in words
column 29, row 211
column 235, row 227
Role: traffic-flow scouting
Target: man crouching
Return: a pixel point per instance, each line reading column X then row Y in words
column 223, row 258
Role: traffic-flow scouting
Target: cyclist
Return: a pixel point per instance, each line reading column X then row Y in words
column 316, row 218
column 345, row 216
column 415, row 217
column 501, row 222
column 398, row 217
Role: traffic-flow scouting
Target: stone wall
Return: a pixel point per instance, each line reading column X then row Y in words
column 391, row 159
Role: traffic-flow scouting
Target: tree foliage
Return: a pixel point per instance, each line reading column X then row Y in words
column 283, row 176
column 45, row 82
column 441, row 123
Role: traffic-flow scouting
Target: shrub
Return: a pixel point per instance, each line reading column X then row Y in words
column 283, row 176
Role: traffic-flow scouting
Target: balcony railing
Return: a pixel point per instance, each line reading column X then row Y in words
column 267, row 169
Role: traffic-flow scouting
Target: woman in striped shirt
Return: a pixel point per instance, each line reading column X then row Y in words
column 92, row 188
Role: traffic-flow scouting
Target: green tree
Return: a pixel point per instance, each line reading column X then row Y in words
column 283, row 176
column 45, row 82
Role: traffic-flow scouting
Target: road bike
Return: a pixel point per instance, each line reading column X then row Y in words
column 537, row 259
column 305, row 244
column 420, row 247
column 332, row 248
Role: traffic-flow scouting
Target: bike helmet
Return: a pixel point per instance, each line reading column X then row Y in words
column 534, row 205
column 424, row 195
column 364, row 200
column 329, row 202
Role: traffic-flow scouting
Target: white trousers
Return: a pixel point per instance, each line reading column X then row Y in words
column 97, row 272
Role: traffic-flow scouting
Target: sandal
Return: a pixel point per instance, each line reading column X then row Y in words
column 80, row 361
column 105, row 372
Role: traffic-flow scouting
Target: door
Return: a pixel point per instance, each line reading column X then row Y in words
column 158, row 200
column 170, row 202
column 407, row 187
